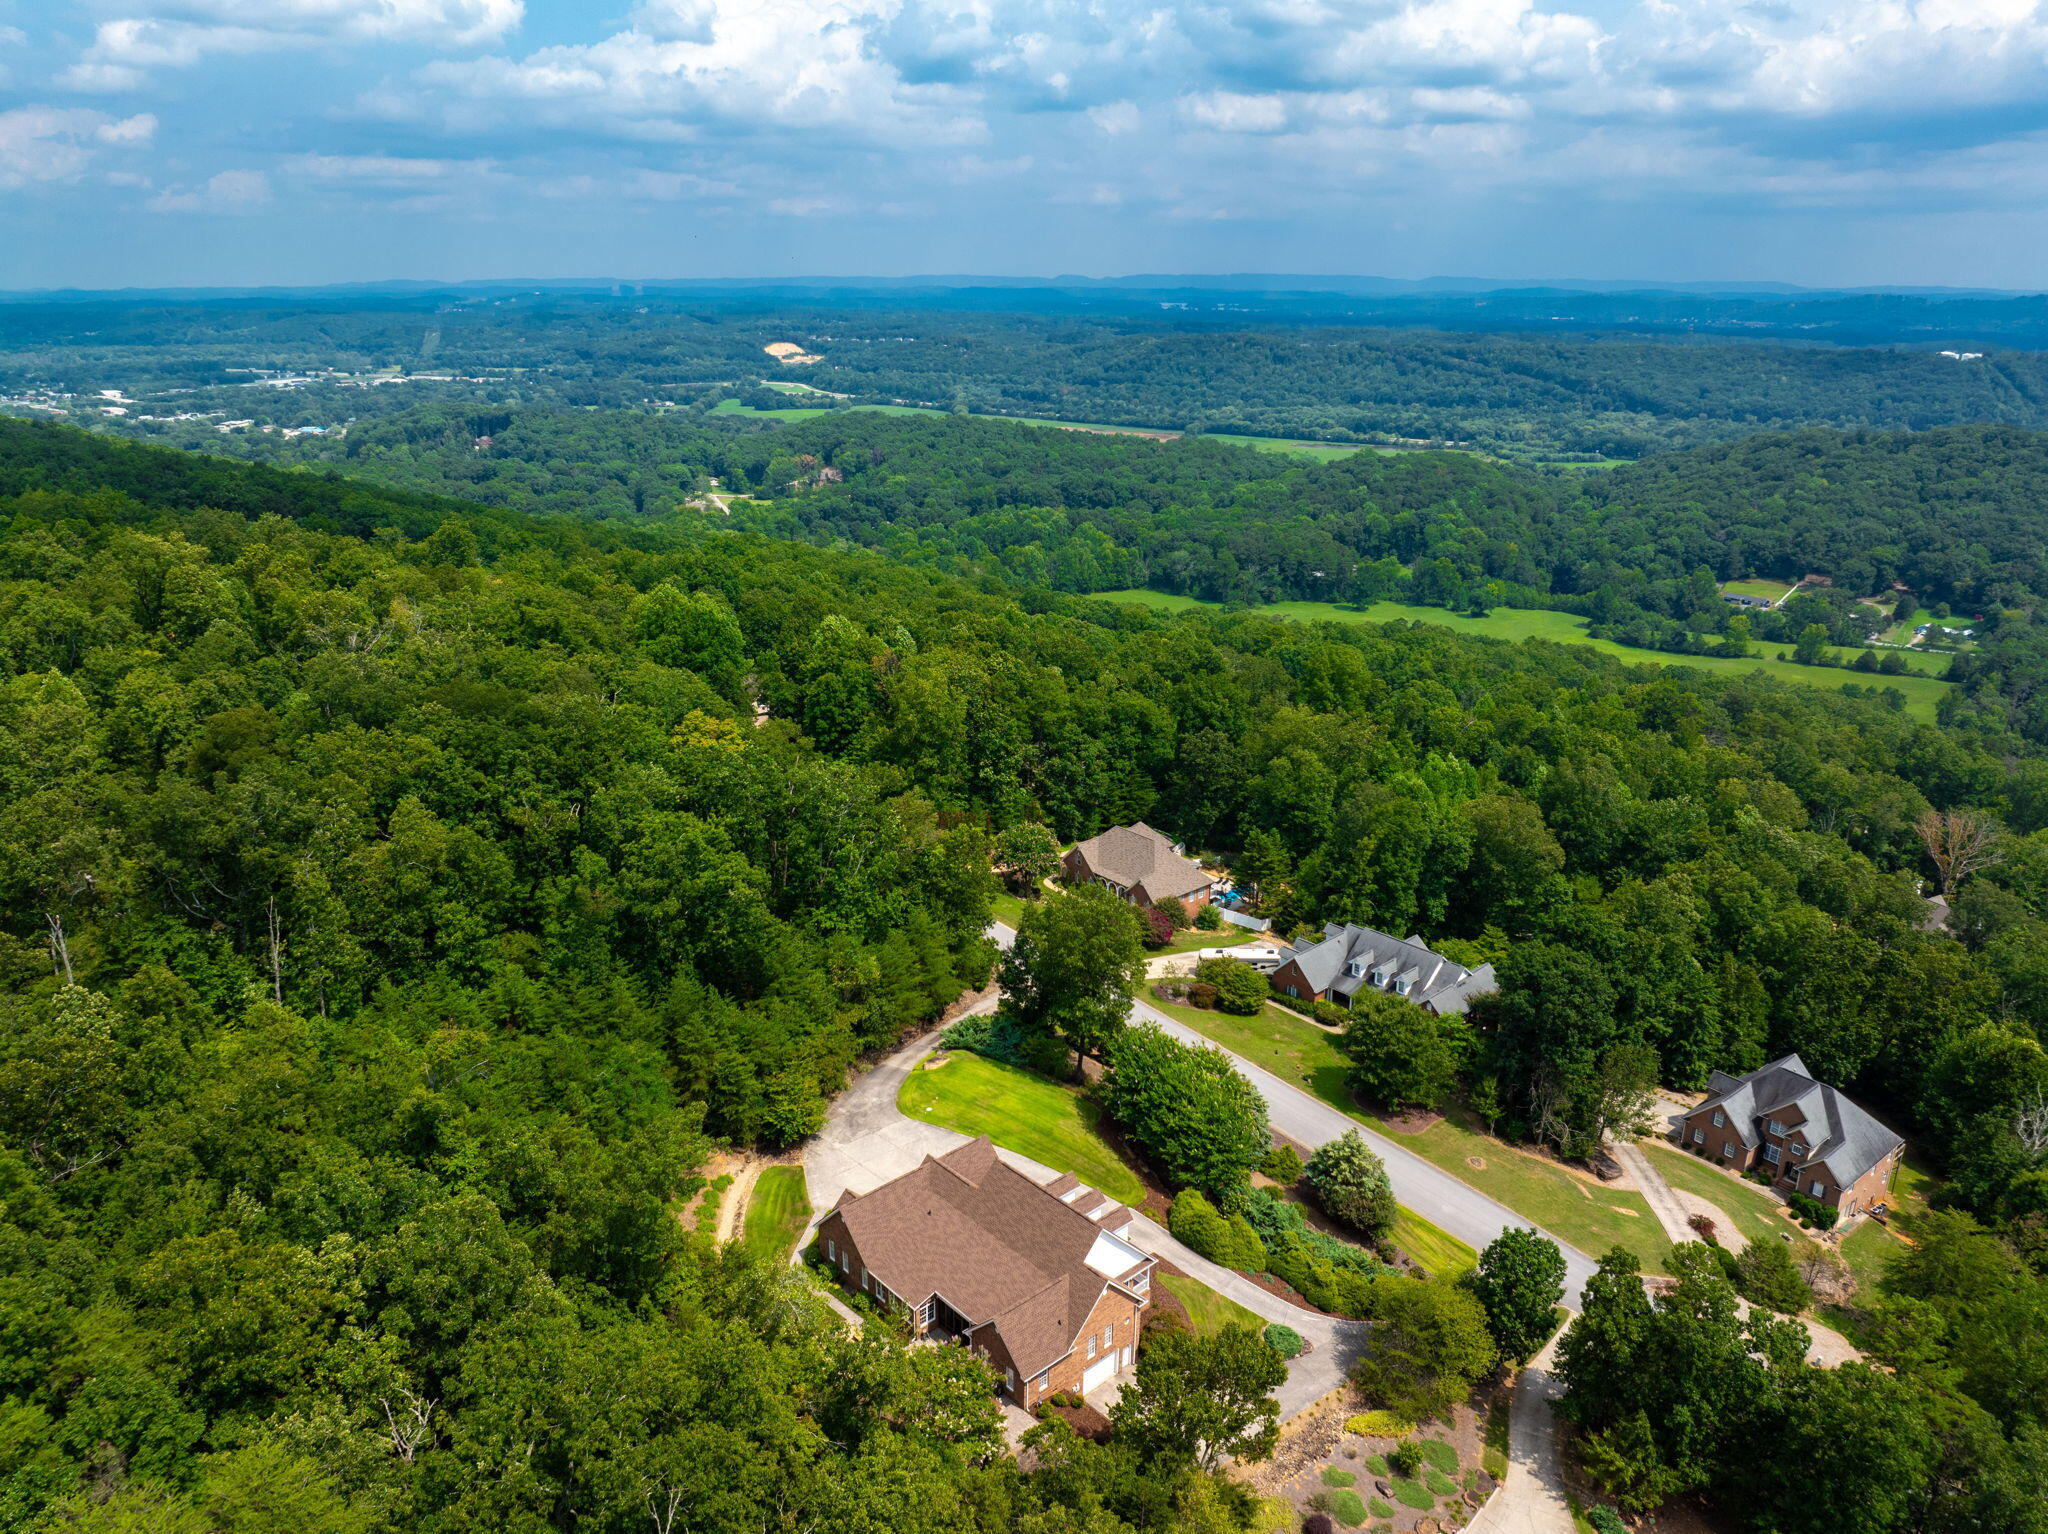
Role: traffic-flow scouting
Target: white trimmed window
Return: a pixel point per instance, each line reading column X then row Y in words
column 1699, row 1137
column 1771, row 1154
column 1728, row 1147
column 1776, row 1127
column 1798, row 1150
column 1091, row 1344
column 1720, row 1119
column 831, row 1252
column 1820, row 1188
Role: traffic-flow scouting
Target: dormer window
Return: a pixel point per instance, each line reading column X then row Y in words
column 1776, row 1127
column 1354, row 968
column 1401, row 987
column 1379, row 977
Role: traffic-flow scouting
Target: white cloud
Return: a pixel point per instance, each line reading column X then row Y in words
column 750, row 65
column 1230, row 112
column 181, row 33
column 231, row 191
column 56, row 144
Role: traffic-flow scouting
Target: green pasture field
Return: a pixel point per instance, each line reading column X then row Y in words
column 1770, row 591
column 1921, row 691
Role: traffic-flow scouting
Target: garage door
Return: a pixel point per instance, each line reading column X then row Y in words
column 1100, row 1372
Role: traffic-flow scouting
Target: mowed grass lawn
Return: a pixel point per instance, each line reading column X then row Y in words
column 1575, row 1209
column 1041, row 1119
column 1437, row 1250
column 1753, row 1212
column 1770, row 591
column 1209, row 1311
column 1871, row 1246
column 777, row 1213
column 1921, row 691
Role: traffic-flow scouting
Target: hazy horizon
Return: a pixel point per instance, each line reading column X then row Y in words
column 206, row 143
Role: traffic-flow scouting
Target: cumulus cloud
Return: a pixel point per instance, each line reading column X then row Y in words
column 57, row 144
column 231, row 191
column 181, row 33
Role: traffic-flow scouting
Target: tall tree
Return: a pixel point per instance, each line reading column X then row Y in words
column 1073, row 970
column 1203, row 1400
column 1519, row 1281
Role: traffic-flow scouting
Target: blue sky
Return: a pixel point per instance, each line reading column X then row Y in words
column 147, row 142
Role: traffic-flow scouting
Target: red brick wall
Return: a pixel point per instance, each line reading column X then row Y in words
column 1290, row 974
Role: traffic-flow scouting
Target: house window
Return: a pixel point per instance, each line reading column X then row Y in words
column 1720, row 1119
column 831, row 1252
column 1820, row 1189
column 1091, row 1344
column 1728, row 1147
column 846, row 1262
column 1108, row 1335
column 1798, row 1150
column 1771, row 1154
column 1292, row 991
column 1776, row 1127
column 1142, row 1283
column 1699, row 1137
column 928, row 1311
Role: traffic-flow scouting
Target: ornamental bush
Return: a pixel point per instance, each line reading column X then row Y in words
column 1240, row 989
column 1203, row 1125
column 1285, row 1341
column 1350, row 1181
column 1283, row 1165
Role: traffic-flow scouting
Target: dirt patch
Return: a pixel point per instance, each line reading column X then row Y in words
column 1084, row 1419
column 1477, row 1163
column 1411, row 1121
column 789, row 351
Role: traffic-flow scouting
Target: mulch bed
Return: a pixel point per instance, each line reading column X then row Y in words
column 1084, row 1420
column 1411, row 1122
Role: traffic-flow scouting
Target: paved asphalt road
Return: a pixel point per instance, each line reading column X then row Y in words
column 1446, row 1201
column 1424, row 1187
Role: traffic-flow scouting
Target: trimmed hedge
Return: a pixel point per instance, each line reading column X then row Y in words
column 1285, row 1340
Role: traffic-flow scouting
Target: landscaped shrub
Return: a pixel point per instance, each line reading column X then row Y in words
column 1332, row 1476
column 1704, row 1228
column 1284, row 1340
column 1414, row 1494
column 1000, row 1039
column 1208, row 918
column 1405, row 1459
column 1228, row 1241
column 1767, row 1276
column 1438, row 1453
column 1318, row 1523
column 1203, row 996
column 1348, row 1507
column 1283, row 1165
column 1158, row 927
column 1350, row 1181
column 1201, row 1123
column 1377, row 1424
column 1605, row 1520
column 1812, row 1211
column 1240, row 989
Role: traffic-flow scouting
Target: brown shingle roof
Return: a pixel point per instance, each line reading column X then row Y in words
column 993, row 1244
column 1134, row 855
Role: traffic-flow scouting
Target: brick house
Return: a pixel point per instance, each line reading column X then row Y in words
column 1810, row 1137
column 1351, row 959
column 1037, row 1279
column 1140, row 865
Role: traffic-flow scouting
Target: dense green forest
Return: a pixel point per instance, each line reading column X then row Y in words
column 1545, row 395
column 398, row 896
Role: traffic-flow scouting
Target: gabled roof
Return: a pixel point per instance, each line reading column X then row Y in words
column 1836, row 1130
column 1027, row 1260
column 1433, row 979
column 1134, row 855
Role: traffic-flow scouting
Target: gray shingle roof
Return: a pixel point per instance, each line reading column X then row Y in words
column 1434, row 980
column 1839, row 1133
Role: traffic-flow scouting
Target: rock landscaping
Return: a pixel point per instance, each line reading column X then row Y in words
column 1368, row 1471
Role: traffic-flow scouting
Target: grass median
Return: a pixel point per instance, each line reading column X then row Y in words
column 777, row 1213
